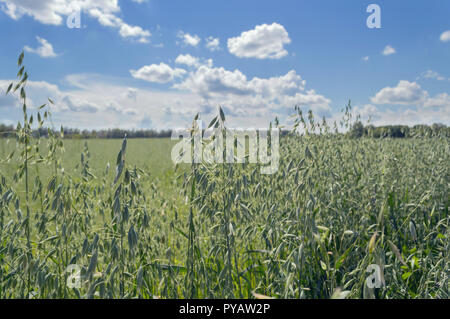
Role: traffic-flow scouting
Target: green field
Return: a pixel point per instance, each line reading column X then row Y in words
column 335, row 206
column 153, row 155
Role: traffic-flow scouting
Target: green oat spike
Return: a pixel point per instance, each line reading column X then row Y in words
column 222, row 115
column 20, row 60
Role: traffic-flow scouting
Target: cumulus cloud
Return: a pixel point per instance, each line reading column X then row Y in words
column 188, row 39
column 440, row 100
column 211, row 81
column 55, row 12
column 212, row 44
column 263, row 42
column 126, row 31
column 403, row 116
column 410, row 93
column 405, row 93
column 188, row 60
column 388, row 50
column 445, row 36
column 191, row 61
column 217, row 85
column 365, row 59
column 367, row 111
column 159, row 73
column 45, row 50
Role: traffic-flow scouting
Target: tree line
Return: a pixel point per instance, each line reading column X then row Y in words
column 74, row 133
column 399, row 131
column 357, row 130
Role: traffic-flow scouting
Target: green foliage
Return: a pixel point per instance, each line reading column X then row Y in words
column 357, row 130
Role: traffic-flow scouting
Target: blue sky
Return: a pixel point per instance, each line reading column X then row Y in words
column 155, row 64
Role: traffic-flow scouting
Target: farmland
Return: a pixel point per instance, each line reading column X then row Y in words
column 335, row 206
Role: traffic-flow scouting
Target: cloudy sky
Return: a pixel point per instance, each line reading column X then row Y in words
column 156, row 63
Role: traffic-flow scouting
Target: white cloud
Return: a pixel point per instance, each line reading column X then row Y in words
column 55, row 12
column 445, row 36
column 77, row 104
column 80, row 105
column 126, row 31
column 430, row 74
column 188, row 60
column 39, row 91
column 388, row 50
column 215, row 81
column 35, row 92
column 440, row 100
column 244, row 97
column 403, row 116
column 212, row 44
column 191, row 61
column 410, row 93
column 263, row 42
column 366, row 112
column 405, row 93
column 159, row 73
column 189, row 39
column 365, row 59
column 45, row 50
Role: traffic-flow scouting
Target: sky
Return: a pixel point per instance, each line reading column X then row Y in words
column 141, row 64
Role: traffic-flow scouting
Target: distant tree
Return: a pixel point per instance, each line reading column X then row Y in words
column 357, row 130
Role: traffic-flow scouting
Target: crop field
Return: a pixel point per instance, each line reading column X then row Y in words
column 342, row 217
column 335, row 206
